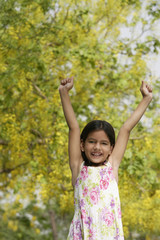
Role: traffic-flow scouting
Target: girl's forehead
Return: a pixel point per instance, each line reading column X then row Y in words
column 98, row 134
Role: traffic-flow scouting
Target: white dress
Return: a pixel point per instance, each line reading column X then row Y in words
column 97, row 213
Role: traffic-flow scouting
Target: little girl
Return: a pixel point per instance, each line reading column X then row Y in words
column 94, row 159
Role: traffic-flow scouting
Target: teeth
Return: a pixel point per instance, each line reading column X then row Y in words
column 96, row 154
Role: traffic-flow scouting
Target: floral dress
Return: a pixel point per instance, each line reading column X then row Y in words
column 97, row 205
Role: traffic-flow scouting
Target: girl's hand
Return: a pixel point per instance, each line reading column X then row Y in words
column 146, row 90
column 66, row 83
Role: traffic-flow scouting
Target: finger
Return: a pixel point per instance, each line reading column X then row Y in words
column 64, row 81
column 143, row 84
column 149, row 88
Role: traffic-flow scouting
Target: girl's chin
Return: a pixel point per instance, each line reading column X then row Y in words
column 97, row 163
column 96, row 159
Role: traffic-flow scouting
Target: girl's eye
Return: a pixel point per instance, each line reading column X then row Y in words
column 91, row 141
column 104, row 143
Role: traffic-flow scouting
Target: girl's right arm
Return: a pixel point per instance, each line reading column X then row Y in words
column 75, row 158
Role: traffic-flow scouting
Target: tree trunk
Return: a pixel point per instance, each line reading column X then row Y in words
column 53, row 225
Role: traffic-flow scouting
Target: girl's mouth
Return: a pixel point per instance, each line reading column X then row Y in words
column 95, row 154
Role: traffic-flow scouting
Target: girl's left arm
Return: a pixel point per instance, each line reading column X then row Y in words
column 123, row 136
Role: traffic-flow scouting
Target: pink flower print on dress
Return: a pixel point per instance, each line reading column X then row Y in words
column 107, row 217
column 78, row 233
column 85, row 191
column 110, row 172
column 84, row 173
column 78, row 225
column 94, row 196
column 89, row 222
column 119, row 212
column 92, row 234
column 104, row 183
column 112, row 204
column 82, row 203
column 117, row 234
column 83, row 214
column 103, row 172
column 77, row 236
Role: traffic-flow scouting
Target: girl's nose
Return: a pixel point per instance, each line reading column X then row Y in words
column 97, row 146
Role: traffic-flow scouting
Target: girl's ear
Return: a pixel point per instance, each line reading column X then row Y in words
column 82, row 146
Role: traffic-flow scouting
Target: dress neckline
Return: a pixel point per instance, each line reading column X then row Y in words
column 100, row 166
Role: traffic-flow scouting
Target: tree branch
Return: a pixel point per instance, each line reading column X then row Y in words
column 53, row 225
column 139, row 36
column 3, row 142
column 136, row 138
column 66, row 16
column 36, row 133
column 38, row 90
column 8, row 170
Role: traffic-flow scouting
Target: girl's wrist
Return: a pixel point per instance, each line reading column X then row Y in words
column 63, row 89
column 148, row 98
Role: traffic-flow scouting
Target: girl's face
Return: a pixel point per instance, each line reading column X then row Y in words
column 97, row 147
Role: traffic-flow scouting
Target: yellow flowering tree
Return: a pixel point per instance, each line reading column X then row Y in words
column 42, row 42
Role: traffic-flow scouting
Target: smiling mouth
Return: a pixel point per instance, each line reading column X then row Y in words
column 96, row 154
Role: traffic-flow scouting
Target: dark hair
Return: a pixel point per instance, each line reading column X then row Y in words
column 96, row 125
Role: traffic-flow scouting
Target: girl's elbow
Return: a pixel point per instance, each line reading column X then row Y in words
column 126, row 129
column 74, row 127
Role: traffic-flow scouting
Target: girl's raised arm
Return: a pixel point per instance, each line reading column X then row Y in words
column 123, row 136
column 75, row 158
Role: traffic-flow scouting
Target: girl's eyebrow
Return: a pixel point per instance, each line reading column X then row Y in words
column 103, row 140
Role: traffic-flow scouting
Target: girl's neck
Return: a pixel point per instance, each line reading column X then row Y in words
column 92, row 164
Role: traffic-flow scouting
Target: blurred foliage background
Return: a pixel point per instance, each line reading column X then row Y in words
column 105, row 45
